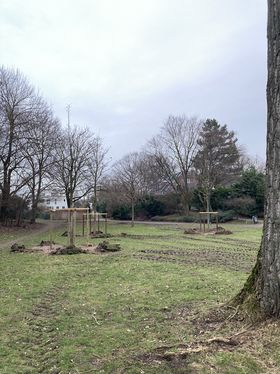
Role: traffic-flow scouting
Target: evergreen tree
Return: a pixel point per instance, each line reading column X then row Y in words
column 217, row 160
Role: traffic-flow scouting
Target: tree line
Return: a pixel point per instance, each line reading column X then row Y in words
column 38, row 154
column 190, row 163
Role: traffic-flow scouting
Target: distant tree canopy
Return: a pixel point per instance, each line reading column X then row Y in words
column 36, row 153
column 244, row 197
column 173, row 152
column 190, row 163
column 252, row 184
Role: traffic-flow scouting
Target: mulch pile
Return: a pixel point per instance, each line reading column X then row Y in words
column 215, row 231
column 53, row 249
column 18, row 248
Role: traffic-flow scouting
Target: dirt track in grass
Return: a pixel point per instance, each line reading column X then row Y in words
column 40, row 346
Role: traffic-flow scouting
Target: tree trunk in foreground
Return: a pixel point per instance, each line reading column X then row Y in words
column 263, row 286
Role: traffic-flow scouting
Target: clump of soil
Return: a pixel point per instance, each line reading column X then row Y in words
column 123, row 234
column 192, row 231
column 18, row 248
column 215, row 231
column 99, row 234
column 46, row 242
column 65, row 233
column 105, row 246
column 220, row 231
column 67, row 251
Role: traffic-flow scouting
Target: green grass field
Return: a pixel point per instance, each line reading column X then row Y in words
column 115, row 313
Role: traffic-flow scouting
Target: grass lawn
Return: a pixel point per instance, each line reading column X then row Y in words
column 117, row 313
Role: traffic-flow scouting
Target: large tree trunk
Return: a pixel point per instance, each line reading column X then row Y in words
column 185, row 198
column 33, row 205
column 33, row 214
column 263, row 286
column 132, row 212
column 5, row 200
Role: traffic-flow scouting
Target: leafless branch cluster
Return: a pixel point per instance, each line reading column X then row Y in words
column 36, row 153
column 186, row 153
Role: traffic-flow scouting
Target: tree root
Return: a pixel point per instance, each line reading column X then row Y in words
column 181, row 351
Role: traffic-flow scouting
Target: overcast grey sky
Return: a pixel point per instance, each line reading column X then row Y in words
column 125, row 65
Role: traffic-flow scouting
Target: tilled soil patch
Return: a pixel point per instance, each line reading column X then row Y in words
column 233, row 261
column 143, row 237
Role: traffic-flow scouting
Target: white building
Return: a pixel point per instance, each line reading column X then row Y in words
column 53, row 201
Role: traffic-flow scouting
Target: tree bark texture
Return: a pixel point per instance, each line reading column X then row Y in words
column 268, row 285
column 264, row 282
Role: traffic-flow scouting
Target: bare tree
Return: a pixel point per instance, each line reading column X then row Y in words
column 41, row 135
column 129, row 178
column 17, row 101
column 262, row 289
column 173, row 152
column 70, row 171
column 97, row 165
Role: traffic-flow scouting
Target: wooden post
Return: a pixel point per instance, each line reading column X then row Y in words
column 90, row 223
column 83, row 225
column 94, row 221
column 217, row 221
column 98, row 222
column 69, row 226
column 74, row 226
column 51, row 229
column 88, row 229
column 105, row 223
column 71, row 236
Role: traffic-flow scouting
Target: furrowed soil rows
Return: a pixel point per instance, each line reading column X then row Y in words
column 228, row 248
column 41, row 345
column 234, row 261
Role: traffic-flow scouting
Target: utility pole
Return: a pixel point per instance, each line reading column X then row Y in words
column 68, row 109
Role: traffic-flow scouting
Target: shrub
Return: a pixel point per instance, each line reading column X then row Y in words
column 121, row 212
column 176, row 218
column 226, row 216
column 149, row 207
column 244, row 205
